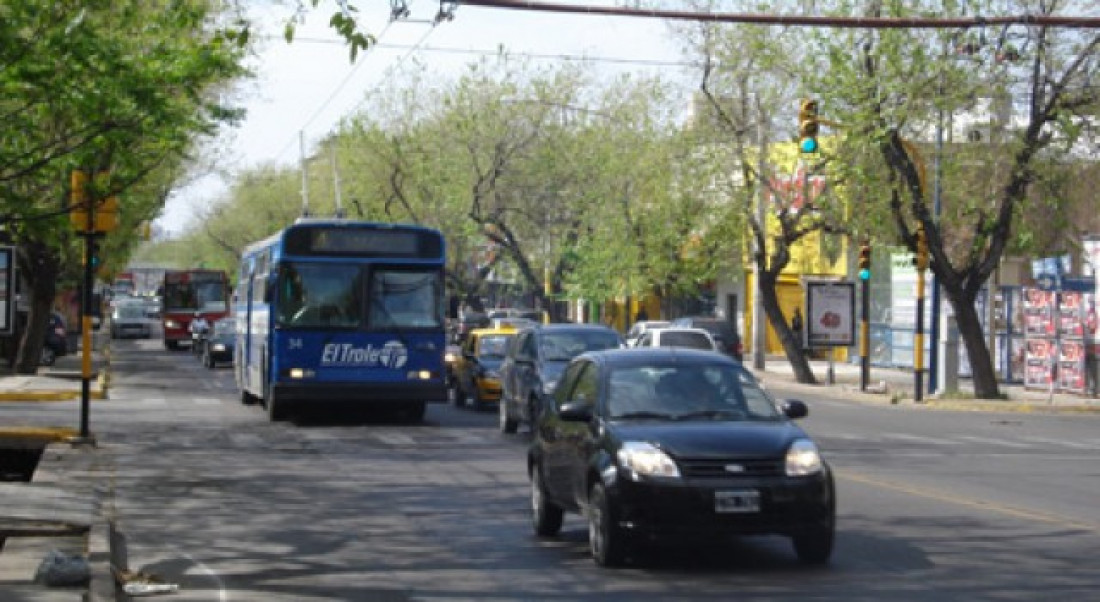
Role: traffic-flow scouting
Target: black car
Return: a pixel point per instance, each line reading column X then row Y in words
column 721, row 330
column 219, row 342
column 679, row 444
column 56, row 342
column 535, row 360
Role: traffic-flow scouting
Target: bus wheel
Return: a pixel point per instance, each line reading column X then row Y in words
column 276, row 410
column 414, row 412
column 247, row 398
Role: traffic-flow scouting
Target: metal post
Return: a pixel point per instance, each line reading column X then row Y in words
column 865, row 334
column 918, row 341
column 937, row 192
column 759, row 337
column 86, row 325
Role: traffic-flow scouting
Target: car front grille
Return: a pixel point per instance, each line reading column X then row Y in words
column 726, row 468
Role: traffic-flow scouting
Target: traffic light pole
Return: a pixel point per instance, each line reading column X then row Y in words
column 86, row 327
column 864, row 334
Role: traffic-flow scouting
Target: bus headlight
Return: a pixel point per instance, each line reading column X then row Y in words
column 419, row 375
column 300, row 373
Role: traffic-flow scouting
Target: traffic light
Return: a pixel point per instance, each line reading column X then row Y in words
column 865, row 262
column 96, row 259
column 808, row 127
column 921, row 260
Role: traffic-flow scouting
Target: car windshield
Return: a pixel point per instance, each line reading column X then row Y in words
column 225, row 326
column 687, row 391
column 492, row 346
column 129, row 312
column 564, row 346
column 685, row 338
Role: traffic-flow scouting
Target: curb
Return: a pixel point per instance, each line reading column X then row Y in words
column 98, row 391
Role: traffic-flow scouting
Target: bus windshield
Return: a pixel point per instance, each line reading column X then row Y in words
column 204, row 295
column 327, row 295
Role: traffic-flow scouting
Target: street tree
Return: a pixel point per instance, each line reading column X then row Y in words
column 1029, row 84
column 99, row 86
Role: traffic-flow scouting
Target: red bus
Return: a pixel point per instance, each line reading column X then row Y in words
column 187, row 292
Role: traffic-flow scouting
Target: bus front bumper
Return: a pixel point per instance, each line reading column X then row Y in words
column 361, row 393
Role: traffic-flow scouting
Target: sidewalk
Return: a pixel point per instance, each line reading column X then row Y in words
column 897, row 387
column 61, row 381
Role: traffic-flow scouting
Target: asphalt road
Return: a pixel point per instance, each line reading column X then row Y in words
column 933, row 505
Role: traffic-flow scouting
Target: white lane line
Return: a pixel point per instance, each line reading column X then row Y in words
column 992, row 441
column 1063, row 443
column 394, row 438
column 920, row 439
column 206, row 401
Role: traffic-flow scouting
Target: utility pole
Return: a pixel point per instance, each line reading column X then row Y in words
column 921, row 262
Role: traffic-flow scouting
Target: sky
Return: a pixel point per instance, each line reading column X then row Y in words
column 303, row 89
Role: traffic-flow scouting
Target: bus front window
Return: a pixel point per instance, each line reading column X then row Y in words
column 405, row 299
column 319, row 296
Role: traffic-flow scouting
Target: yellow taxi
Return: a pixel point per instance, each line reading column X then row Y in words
column 476, row 369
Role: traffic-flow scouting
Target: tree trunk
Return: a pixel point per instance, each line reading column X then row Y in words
column 791, row 344
column 984, row 378
column 39, row 267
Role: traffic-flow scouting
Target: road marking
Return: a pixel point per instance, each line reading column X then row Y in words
column 1062, row 443
column 154, row 401
column 206, row 401
column 919, row 439
column 394, row 438
column 1014, row 512
column 992, row 441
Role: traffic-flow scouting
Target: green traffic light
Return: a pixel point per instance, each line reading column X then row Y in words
column 808, row 145
column 865, row 274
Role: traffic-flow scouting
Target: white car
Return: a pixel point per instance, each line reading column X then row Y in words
column 641, row 327
column 677, row 336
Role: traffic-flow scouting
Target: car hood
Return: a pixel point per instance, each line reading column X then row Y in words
column 717, row 439
column 491, row 363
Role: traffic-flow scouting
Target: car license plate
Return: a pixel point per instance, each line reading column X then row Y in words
column 741, row 501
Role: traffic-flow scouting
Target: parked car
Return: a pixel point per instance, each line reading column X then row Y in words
column 662, row 444
column 219, row 343
column 720, row 329
column 535, row 362
column 56, row 343
column 477, row 368
column 129, row 319
column 678, row 336
column 640, row 327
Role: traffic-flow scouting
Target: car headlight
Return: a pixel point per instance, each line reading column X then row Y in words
column 219, row 347
column 449, row 358
column 803, row 459
column 172, row 324
column 646, row 460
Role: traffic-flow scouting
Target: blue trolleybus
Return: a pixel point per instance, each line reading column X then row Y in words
column 342, row 312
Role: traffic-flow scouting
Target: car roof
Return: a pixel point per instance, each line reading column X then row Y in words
column 480, row 332
column 571, row 327
column 663, row 355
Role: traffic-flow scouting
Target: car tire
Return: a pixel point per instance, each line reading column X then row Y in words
column 508, row 425
column 606, row 539
column 48, row 356
column 546, row 517
column 815, row 545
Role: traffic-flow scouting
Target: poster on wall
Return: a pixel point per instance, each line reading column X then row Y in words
column 830, row 314
column 1038, row 312
column 1071, row 366
column 7, row 290
column 1040, row 356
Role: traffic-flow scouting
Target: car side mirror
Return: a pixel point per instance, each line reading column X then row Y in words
column 793, row 409
column 576, row 411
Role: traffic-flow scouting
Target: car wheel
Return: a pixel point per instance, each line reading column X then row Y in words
column 606, row 538
column 508, row 424
column 48, row 356
column 815, row 545
column 546, row 517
